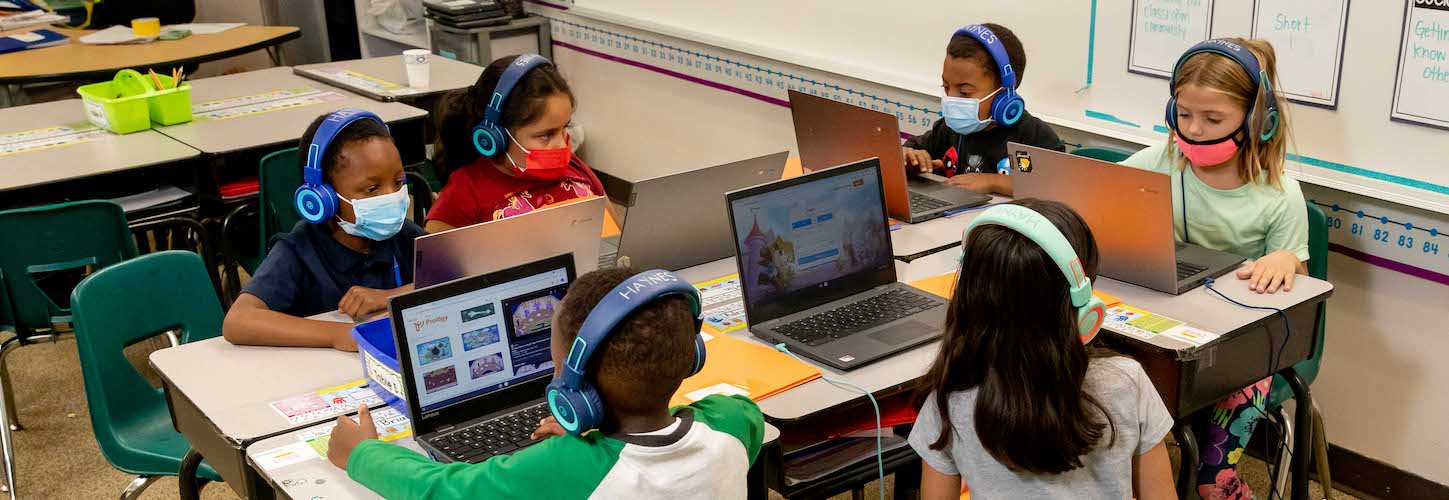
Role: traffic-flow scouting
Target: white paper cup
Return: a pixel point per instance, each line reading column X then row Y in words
column 416, row 63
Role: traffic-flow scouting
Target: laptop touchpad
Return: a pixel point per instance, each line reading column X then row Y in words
column 902, row 334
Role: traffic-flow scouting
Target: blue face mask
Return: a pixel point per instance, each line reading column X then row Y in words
column 961, row 113
column 378, row 217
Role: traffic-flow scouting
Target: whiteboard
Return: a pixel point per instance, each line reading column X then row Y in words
column 1355, row 147
column 1308, row 36
column 1421, row 92
column 1163, row 29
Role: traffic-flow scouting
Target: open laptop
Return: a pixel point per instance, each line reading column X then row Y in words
column 817, row 271
column 475, row 358
column 1130, row 213
column 500, row 244
column 831, row 133
column 673, row 221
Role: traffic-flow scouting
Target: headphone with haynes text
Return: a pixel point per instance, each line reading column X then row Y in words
column 572, row 398
column 489, row 138
column 315, row 199
column 1249, row 62
column 1027, row 222
column 1008, row 107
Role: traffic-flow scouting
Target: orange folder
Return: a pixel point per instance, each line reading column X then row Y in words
column 734, row 366
column 942, row 286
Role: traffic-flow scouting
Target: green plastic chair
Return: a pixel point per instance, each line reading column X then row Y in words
column 164, row 292
column 65, row 237
column 1104, row 154
column 1308, row 369
column 43, row 251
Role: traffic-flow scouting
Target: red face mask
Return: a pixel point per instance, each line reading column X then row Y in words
column 542, row 164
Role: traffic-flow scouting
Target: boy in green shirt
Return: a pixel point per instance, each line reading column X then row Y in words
column 645, row 449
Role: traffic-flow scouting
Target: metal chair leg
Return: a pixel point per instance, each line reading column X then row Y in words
column 857, row 494
column 1187, row 472
column 1285, row 453
column 1320, row 451
column 7, row 446
column 137, row 487
column 7, row 392
column 190, row 484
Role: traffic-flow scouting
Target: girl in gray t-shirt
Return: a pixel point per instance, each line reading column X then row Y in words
column 1015, row 405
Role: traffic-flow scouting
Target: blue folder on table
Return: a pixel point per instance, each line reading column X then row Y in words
column 31, row 40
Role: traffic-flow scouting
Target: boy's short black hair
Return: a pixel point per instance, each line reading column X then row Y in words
column 651, row 351
column 965, row 47
column 353, row 132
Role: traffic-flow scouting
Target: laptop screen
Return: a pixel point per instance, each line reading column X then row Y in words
column 809, row 240
column 478, row 341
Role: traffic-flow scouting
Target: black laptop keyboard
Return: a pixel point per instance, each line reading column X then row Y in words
column 499, row 436
column 921, row 203
column 1187, row 269
column 608, row 260
column 856, row 317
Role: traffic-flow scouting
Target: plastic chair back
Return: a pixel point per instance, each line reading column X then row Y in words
column 39, row 243
column 1317, row 268
column 279, row 177
column 1104, row 154
column 122, row 305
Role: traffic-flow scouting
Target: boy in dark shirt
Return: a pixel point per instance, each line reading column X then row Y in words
column 971, row 150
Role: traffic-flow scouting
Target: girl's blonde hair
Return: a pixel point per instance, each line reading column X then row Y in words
column 1261, row 160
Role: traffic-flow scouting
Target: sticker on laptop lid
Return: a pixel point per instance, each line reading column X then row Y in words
column 847, row 358
column 1023, row 161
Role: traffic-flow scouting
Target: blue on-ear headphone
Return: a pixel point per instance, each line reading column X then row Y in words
column 489, row 137
column 1090, row 309
column 1008, row 106
column 315, row 199
column 1249, row 62
column 573, row 400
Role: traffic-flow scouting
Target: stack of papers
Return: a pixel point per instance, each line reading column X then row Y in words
column 113, row 35
column 122, row 34
column 29, row 19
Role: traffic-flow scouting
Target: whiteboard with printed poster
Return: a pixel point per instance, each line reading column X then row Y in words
column 1162, row 30
column 1308, row 36
column 1421, row 89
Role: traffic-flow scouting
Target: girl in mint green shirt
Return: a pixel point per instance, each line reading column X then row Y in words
column 1225, row 156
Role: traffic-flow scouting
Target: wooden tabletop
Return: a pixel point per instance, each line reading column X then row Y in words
column 79, row 61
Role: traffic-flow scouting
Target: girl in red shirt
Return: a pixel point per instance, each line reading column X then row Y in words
column 531, row 165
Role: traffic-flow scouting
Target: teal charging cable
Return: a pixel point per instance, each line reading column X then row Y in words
column 879, row 453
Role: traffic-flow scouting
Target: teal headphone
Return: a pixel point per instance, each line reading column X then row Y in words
column 574, row 400
column 1090, row 309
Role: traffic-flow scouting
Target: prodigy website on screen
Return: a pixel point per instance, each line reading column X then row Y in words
column 471, row 344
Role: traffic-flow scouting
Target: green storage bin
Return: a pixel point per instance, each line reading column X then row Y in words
column 169, row 106
column 120, row 105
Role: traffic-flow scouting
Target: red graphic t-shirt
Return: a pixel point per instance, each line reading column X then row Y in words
column 480, row 193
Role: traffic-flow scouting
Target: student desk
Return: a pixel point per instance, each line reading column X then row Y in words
column 315, row 477
column 1188, row 378
column 385, row 79
column 220, row 395
column 247, row 94
column 80, row 61
column 92, row 152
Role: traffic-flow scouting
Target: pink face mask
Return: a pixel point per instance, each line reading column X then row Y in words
column 1208, row 153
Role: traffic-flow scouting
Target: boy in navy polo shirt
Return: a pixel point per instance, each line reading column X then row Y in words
column 968, row 145
column 351, row 262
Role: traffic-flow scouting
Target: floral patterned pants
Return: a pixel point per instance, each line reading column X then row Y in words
column 1223, row 432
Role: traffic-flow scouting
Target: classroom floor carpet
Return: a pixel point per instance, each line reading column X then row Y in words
column 58, row 458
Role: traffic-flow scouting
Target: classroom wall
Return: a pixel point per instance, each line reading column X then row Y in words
column 1380, row 388
column 232, row 11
